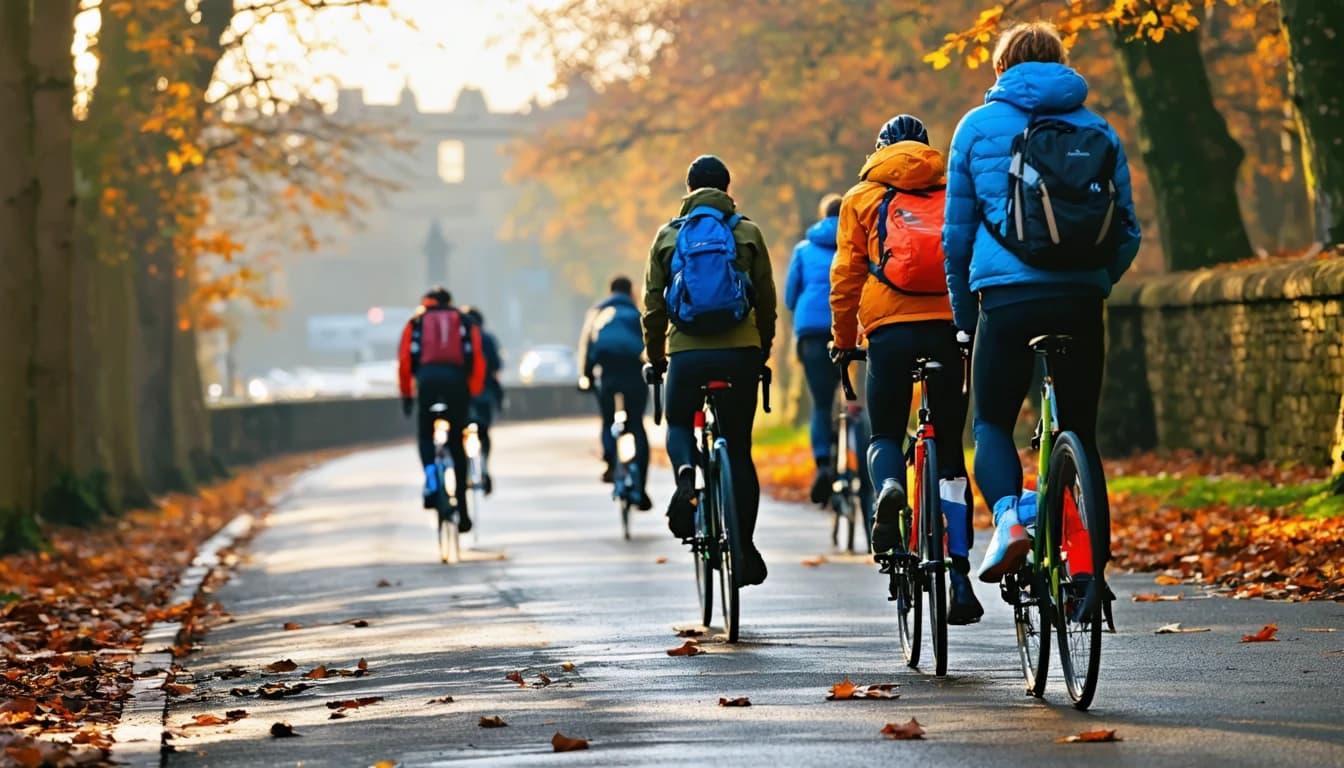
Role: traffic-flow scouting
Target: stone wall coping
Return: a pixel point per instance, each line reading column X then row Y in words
column 1318, row 278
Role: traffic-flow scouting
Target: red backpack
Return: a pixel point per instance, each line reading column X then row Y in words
column 910, row 242
column 443, row 337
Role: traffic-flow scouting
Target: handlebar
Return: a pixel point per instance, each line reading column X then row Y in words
column 846, row 384
column 655, row 379
column 767, row 376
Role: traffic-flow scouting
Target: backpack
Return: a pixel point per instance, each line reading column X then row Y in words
column 441, row 336
column 707, row 294
column 910, row 242
column 1062, row 197
column 616, row 333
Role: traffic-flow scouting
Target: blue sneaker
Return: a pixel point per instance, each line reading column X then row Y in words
column 431, row 485
column 1009, row 545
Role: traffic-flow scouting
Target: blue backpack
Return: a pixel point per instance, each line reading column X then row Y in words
column 617, row 334
column 707, row 295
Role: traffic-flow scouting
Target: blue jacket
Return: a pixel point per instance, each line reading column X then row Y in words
column 612, row 335
column 807, row 293
column 977, row 176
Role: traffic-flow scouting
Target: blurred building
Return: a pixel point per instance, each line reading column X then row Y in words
column 345, row 303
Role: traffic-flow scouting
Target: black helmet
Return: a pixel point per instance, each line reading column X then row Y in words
column 438, row 295
column 902, row 128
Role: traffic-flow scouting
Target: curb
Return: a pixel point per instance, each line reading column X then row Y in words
column 138, row 736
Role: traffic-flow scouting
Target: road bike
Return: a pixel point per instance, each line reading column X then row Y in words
column 851, row 495
column 471, row 443
column 445, row 499
column 627, row 482
column 1062, row 586
column 918, row 571
column 717, row 543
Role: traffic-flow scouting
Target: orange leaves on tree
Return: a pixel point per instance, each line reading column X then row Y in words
column 563, row 743
column 1265, row 635
column 689, row 648
column 1090, row 737
column 904, row 731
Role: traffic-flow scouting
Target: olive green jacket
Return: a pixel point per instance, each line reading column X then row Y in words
column 757, row 329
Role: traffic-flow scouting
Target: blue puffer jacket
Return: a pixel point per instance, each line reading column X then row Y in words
column 977, row 176
column 808, row 291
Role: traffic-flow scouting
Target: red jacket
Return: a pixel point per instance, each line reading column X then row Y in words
column 406, row 366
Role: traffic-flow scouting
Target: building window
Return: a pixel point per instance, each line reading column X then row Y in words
column 452, row 161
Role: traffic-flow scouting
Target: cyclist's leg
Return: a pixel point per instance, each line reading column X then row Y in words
column 1001, row 369
column 636, row 394
column 891, row 354
column 681, row 391
column 822, row 379
column 606, row 401
column 459, row 405
column 429, row 390
column 737, row 416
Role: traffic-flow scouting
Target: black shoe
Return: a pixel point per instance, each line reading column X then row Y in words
column 645, row 503
column 431, row 501
column 887, row 519
column 609, row 474
column 753, row 567
column 681, row 509
column 965, row 608
column 822, row 484
column 463, row 521
column 487, row 484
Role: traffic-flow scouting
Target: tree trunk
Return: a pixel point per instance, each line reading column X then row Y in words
column 64, row 495
column 1191, row 158
column 1314, row 30
column 18, row 288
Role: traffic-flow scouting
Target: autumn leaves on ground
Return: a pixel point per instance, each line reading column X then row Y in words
column 1246, row 530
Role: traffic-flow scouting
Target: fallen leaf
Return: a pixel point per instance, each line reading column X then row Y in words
column 236, row 714
column 741, row 701
column 441, row 700
column 568, row 666
column 83, row 660
column 281, row 690
column 1153, row 597
column 842, row 690
column 1319, row 629
column 493, row 722
column 563, row 743
column 282, row 730
column 362, row 666
column 316, row 673
column 813, row 562
column 516, row 677
column 690, row 632
column 660, row 560
column 1177, row 629
column 283, row 665
column 208, row 718
column 177, row 689
column 1167, row 580
column 1265, row 635
column 545, row 681
column 385, row 764
column 881, row 691
column 1089, row 737
column 290, row 626
column 383, row 583
column 363, row 701
column 357, row 623
column 689, row 648
column 904, row 732
column 337, row 715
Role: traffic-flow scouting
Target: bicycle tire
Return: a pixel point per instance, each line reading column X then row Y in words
column 703, row 562
column 1033, row 625
column 934, row 557
column 908, row 595
column 450, row 551
column 1078, row 601
column 730, row 542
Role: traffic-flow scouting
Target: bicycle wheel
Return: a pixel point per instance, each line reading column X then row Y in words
column 1077, row 525
column 934, row 562
column 449, row 541
column 906, row 592
column 730, row 541
column 704, row 565
column 1031, row 615
column 476, row 482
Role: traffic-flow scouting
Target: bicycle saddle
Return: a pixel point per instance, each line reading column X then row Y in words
column 716, row 386
column 1051, row 343
column 438, row 408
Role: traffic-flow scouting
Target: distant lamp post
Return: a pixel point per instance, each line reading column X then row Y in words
column 436, row 252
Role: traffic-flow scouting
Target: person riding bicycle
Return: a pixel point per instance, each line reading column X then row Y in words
column 1001, row 298
column 807, row 293
column 611, row 350
column 440, row 362
column 491, row 401
column 888, row 282
column 721, row 333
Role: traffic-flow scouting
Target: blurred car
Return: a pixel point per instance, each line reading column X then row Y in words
column 548, row 364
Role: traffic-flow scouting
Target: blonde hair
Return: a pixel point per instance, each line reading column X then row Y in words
column 829, row 201
column 1029, row 41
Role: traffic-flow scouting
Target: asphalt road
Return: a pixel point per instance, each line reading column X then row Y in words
column 555, row 586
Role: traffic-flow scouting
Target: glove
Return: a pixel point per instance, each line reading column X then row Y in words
column 654, row 370
column 407, row 406
column 585, row 383
column 965, row 341
column 840, row 355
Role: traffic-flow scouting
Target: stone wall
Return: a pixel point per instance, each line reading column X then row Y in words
column 1238, row 361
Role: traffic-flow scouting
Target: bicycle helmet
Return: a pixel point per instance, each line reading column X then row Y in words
column 902, row 128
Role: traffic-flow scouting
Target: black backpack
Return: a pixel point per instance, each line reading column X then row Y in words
column 1063, row 208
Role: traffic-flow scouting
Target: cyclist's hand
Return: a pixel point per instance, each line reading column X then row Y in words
column 654, row 370
column 407, row 406
column 841, row 355
column 585, row 384
column 965, row 341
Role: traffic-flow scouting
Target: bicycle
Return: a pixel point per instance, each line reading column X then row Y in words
column 717, row 544
column 627, row 484
column 445, row 500
column 851, row 498
column 471, row 443
column 920, row 569
column 1063, row 583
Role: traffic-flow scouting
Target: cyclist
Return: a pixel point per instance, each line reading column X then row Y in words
column 1005, row 302
column 440, row 361
column 692, row 356
column 888, row 281
column 491, row 400
column 611, row 349
column 807, row 295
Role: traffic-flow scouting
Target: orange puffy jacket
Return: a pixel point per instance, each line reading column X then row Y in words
column 859, row 303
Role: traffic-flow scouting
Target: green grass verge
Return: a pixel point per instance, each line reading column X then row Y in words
column 1315, row 500
column 778, row 435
